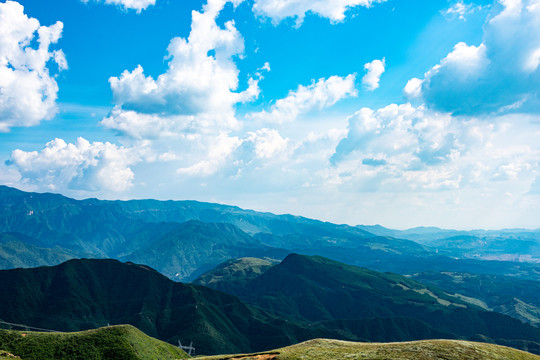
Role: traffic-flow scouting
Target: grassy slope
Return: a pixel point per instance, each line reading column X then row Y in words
column 505, row 294
column 415, row 350
column 121, row 342
column 4, row 355
column 234, row 274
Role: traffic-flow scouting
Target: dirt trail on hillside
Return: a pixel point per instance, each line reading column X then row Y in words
column 269, row 356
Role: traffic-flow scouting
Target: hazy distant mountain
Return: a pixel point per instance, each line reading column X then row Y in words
column 193, row 247
column 16, row 250
column 337, row 295
column 151, row 231
column 183, row 239
column 506, row 244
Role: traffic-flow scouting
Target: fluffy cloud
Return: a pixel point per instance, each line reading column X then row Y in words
column 267, row 143
column 334, row 10
column 317, row 96
column 81, row 166
column 501, row 74
column 138, row 5
column 373, row 75
column 215, row 152
column 415, row 148
column 199, row 89
column 409, row 134
column 27, row 90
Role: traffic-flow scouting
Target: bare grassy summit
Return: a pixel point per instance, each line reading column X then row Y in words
column 413, row 350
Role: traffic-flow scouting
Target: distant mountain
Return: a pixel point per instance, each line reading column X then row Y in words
column 16, row 250
column 505, row 294
column 334, row 294
column 193, row 247
column 174, row 237
column 141, row 230
column 109, row 343
column 506, row 244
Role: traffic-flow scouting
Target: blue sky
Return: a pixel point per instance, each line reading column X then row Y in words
column 401, row 113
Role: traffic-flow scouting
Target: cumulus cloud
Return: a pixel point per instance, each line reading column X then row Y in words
column 216, row 151
column 502, row 74
column 317, row 96
column 416, row 148
column 334, row 10
column 374, row 70
column 138, row 5
column 267, row 143
column 199, row 89
column 28, row 92
column 402, row 131
column 79, row 166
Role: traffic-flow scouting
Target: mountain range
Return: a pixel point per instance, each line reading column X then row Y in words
column 184, row 239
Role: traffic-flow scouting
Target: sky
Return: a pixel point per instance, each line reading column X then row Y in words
column 391, row 112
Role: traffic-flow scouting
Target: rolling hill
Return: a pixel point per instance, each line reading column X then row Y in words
column 110, row 343
column 416, row 350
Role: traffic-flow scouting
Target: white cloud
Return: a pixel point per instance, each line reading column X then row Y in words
column 334, row 10
column 268, row 143
column 502, row 74
column 373, row 75
column 401, row 147
column 27, row 90
column 199, row 87
column 80, row 166
column 317, row 96
column 535, row 186
column 461, row 10
column 413, row 89
column 138, row 5
column 215, row 152
column 411, row 135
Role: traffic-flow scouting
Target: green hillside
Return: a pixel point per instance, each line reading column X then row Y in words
column 505, row 294
column 17, row 250
column 85, row 294
column 368, row 305
column 109, row 343
column 417, row 350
